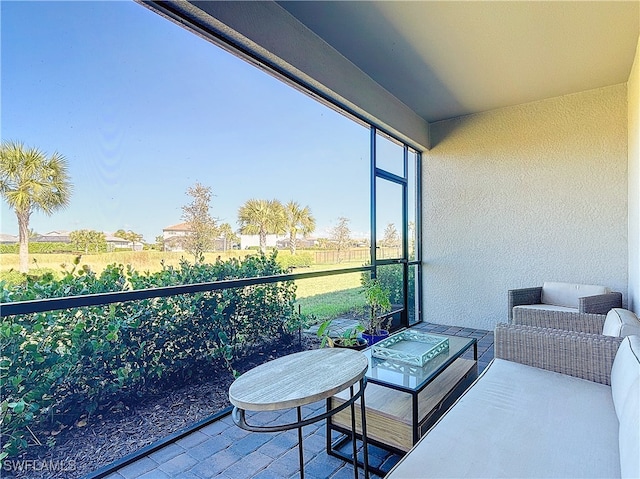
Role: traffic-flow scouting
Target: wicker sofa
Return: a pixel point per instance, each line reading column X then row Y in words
column 617, row 322
column 555, row 301
column 551, row 404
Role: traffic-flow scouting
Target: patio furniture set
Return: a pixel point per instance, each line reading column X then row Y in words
column 561, row 398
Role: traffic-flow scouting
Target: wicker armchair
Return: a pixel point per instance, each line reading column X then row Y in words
column 569, row 321
column 530, row 306
column 583, row 355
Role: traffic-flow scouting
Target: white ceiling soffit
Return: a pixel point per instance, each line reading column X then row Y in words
column 266, row 34
column 449, row 58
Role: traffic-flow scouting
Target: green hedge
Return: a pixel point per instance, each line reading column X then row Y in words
column 57, row 247
column 63, row 364
column 298, row 260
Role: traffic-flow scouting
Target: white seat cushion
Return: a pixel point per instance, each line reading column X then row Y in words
column 625, row 390
column 520, row 421
column 620, row 323
column 630, row 433
column 568, row 294
column 625, row 371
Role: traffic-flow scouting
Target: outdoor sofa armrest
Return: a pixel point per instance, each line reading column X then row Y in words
column 522, row 296
column 545, row 318
column 582, row 355
column 600, row 303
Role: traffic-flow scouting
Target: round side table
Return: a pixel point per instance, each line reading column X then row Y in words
column 299, row 379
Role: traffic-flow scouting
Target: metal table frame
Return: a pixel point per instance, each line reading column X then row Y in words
column 332, row 446
column 239, row 417
column 297, row 380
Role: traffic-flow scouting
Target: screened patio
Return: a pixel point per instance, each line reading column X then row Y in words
column 525, row 120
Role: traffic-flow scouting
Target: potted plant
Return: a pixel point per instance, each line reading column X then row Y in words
column 349, row 338
column 376, row 322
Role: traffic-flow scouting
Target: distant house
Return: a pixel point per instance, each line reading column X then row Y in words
column 302, row 243
column 115, row 242
column 249, row 241
column 8, row 239
column 60, row 236
column 174, row 237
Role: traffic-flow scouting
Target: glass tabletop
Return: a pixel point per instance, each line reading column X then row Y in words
column 413, row 378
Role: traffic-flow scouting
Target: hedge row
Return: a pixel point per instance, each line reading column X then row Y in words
column 34, row 247
column 58, row 365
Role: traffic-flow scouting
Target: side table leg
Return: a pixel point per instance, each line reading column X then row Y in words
column 300, row 447
column 363, row 417
column 353, row 435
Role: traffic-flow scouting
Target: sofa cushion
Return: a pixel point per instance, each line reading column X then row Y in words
column 629, row 436
column 568, row 294
column 620, row 323
column 521, row 421
column 625, row 371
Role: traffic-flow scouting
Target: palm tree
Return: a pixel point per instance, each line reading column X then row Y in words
column 262, row 217
column 299, row 220
column 227, row 233
column 29, row 181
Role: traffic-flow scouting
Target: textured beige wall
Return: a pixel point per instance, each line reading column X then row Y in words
column 633, row 88
column 520, row 195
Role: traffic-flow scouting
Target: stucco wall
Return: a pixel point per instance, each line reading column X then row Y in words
column 520, row 195
column 633, row 87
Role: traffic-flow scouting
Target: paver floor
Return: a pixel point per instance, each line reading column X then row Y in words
column 223, row 450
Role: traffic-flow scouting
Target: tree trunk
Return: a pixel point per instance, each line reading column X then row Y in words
column 23, row 238
column 263, row 242
column 293, row 244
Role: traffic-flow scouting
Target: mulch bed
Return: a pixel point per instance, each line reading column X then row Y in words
column 122, row 429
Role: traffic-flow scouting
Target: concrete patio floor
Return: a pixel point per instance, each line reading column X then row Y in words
column 223, row 450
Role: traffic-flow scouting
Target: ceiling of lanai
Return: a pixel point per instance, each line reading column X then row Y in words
column 446, row 58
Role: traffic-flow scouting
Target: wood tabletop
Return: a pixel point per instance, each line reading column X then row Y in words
column 298, row 379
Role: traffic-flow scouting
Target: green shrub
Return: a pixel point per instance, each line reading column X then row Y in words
column 59, row 365
column 12, row 277
column 390, row 278
column 298, row 260
column 36, row 248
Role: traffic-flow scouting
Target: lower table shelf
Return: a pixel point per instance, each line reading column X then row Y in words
column 390, row 415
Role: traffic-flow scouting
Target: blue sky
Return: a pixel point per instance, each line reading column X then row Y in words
column 142, row 109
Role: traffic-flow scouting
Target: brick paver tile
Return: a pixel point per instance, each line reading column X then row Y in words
column 138, row 468
column 287, row 464
column 168, row 452
column 278, row 445
column 248, row 466
column 178, row 464
column 216, row 428
column 192, row 439
column 250, row 443
column 314, row 443
column 215, row 464
column 323, row 465
column 115, row 475
column 155, row 474
column 209, row 447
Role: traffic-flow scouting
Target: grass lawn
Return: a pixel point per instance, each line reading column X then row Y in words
column 324, row 297
column 330, row 296
column 140, row 260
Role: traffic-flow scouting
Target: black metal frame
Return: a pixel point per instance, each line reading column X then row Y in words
column 238, row 416
column 183, row 18
column 332, row 446
column 406, row 263
column 99, row 299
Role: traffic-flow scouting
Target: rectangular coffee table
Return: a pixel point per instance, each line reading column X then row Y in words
column 403, row 401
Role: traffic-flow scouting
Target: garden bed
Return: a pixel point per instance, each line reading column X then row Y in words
column 123, row 428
